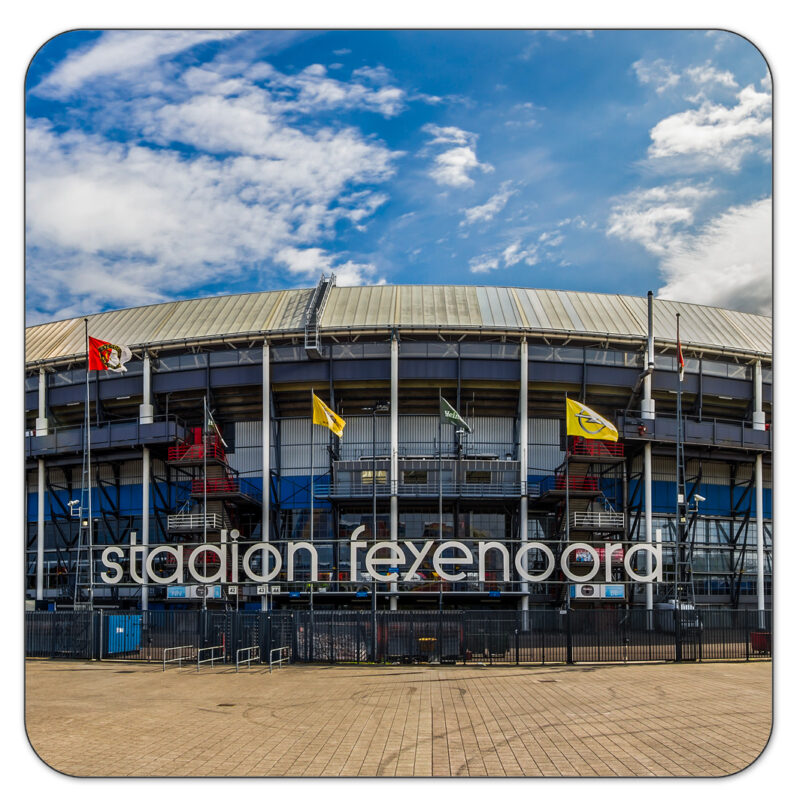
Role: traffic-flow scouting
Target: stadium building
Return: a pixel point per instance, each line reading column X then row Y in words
column 210, row 430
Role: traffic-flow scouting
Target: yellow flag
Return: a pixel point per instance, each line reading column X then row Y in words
column 324, row 416
column 582, row 421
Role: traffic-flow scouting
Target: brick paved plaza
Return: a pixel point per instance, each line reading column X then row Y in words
column 617, row 720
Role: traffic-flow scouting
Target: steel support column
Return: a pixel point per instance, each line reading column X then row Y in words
column 145, row 521
column 266, row 428
column 393, row 471
column 40, row 534
column 759, row 424
column 41, row 430
column 648, row 410
column 146, row 418
column 524, row 601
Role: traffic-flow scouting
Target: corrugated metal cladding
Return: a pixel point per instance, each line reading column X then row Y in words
column 491, row 433
column 248, row 433
column 246, row 461
column 32, row 479
column 64, row 477
column 417, row 433
column 387, row 307
column 544, row 451
column 357, row 439
column 246, row 458
column 295, row 452
column 714, row 472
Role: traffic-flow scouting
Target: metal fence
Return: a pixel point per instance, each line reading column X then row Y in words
column 538, row 636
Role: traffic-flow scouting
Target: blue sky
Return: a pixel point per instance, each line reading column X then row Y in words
column 165, row 165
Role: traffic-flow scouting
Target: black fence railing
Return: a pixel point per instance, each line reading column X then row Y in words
column 538, row 636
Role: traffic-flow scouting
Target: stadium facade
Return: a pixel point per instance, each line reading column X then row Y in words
column 382, row 357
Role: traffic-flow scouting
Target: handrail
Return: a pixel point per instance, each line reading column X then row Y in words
column 430, row 489
column 213, row 657
column 598, row 519
column 281, row 659
column 107, row 423
column 179, row 659
column 255, row 655
column 196, row 452
column 177, row 522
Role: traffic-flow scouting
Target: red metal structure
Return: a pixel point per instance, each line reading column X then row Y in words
column 594, row 447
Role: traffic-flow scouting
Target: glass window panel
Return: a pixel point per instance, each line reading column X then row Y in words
column 254, row 355
column 538, row 352
column 414, row 349
column 568, row 354
column 224, row 357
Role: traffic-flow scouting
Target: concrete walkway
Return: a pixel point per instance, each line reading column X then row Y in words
column 114, row 719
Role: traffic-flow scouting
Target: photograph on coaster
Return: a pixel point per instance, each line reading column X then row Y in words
column 366, row 370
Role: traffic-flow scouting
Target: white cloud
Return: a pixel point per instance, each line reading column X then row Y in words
column 452, row 167
column 158, row 223
column 657, row 218
column 707, row 73
column 551, row 239
column 658, row 73
column 312, row 90
column 450, row 135
column 515, row 253
column 311, row 262
column 490, row 208
column 379, row 74
column 483, row 264
column 117, row 52
column 728, row 263
column 509, row 256
column 715, row 134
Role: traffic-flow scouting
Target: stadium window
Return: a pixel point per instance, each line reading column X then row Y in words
column 478, row 476
column 366, row 476
column 415, row 476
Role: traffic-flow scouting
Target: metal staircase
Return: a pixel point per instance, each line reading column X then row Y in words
column 682, row 587
column 314, row 311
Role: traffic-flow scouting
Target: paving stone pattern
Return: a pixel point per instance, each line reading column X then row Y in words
column 117, row 719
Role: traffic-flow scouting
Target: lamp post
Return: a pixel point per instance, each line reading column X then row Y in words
column 381, row 406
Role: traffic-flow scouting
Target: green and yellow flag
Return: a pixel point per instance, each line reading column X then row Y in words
column 325, row 416
column 582, row 421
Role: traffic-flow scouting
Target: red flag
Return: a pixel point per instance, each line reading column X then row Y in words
column 681, row 363
column 107, row 356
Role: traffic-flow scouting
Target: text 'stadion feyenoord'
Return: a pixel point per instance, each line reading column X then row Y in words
column 384, row 562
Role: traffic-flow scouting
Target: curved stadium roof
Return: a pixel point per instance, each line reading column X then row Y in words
column 378, row 309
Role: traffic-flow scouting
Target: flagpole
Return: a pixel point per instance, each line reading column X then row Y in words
column 205, row 496
column 89, row 470
column 680, row 499
column 566, row 509
column 312, row 471
column 441, row 520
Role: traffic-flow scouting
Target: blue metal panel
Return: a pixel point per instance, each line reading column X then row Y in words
column 295, row 491
column 481, row 369
column 545, row 372
column 438, row 369
column 124, row 633
column 178, row 381
column 249, row 375
column 62, row 395
column 299, row 372
column 110, row 389
column 366, row 370
column 611, row 376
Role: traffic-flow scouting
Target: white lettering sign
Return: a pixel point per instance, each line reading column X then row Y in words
column 399, row 557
